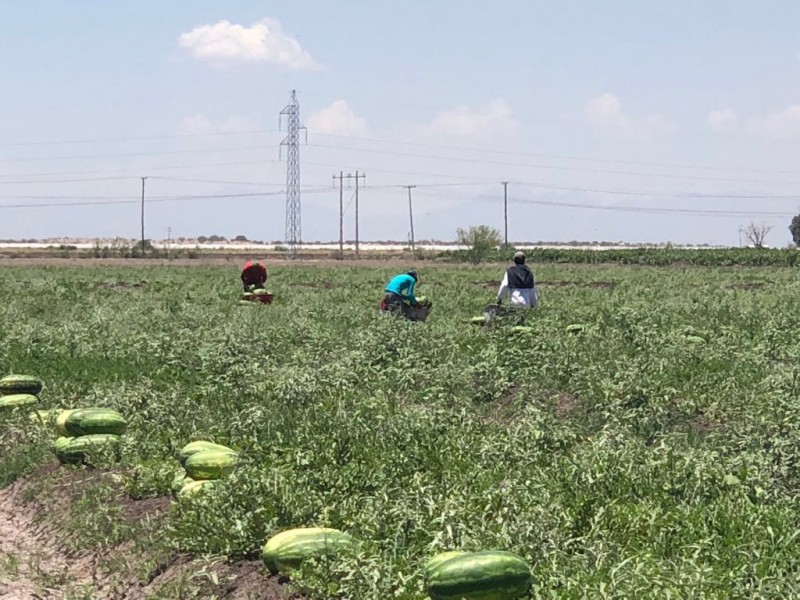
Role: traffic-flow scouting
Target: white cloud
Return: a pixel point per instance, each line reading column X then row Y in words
column 337, row 119
column 605, row 114
column 723, row 121
column 227, row 43
column 201, row 124
column 462, row 121
column 781, row 125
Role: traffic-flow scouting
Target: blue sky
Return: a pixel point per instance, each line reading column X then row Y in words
column 600, row 114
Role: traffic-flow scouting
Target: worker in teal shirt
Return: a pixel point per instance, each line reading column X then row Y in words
column 395, row 299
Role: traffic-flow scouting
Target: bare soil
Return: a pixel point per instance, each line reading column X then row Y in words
column 37, row 563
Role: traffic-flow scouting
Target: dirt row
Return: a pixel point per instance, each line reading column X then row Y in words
column 36, row 562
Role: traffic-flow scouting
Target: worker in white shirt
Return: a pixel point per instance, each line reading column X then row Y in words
column 519, row 284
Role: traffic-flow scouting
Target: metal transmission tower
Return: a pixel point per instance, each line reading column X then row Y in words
column 292, row 143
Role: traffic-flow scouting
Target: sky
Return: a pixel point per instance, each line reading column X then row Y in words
column 618, row 120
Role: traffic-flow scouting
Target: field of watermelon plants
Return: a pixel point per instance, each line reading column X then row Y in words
column 652, row 453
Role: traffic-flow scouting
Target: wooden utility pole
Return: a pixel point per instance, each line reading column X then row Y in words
column 411, row 218
column 341, row 215
column 143, row 180
column 357, row 177
column 505, row 209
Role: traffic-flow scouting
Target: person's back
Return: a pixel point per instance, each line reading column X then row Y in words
column 519, row 284
column 254, row 275
column 401, row 283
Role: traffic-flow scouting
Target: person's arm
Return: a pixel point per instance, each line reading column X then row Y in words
column 411, row 297
column 503, row 288
column 263, row 274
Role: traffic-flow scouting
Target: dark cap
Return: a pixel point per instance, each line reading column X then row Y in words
column 413, row 273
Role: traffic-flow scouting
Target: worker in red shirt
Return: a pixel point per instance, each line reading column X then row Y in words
column 254, row 276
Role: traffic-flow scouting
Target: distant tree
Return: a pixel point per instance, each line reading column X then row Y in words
column 202, row 239
column 479, row 241
column 795, row 229
column 240, row 238
column 756, row 234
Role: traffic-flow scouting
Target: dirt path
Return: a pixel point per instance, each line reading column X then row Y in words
column 31, row 566
column 36, row 565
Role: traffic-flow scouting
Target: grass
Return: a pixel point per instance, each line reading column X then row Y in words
column 622, row 461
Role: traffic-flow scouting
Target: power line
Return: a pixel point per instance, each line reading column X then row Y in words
column 552, row 167
column 562, row 156
column 128, row 169
column 133, row 138
column 155, row 200
column 131, row 154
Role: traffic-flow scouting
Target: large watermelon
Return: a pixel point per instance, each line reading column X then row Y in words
column 287, row 550
column 76, row 449
column 199, row 446
column 61, row 421
column 439, row 559
column 92, row 421
column 16, row 400
column 211, row 464
column 20, row 384
column 487, row 575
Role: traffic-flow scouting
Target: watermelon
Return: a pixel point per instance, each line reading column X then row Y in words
column 20, row 384
column 15, row 400
column 575, row 328
column 478, row 320
column 75, row 449
column 192, row 487
column 211, row 464
column 695, row 339
column 439, row 559
column 288, row 549
column 61, row 421
column 260, row 292
column 199, row 446
column 180, row 479
column 486, row 575
column 91, row 421
column 248, row 296
column 521, row 329
column 44, row 417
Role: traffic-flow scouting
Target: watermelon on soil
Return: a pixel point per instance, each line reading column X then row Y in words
column 93, row 421
column 288, row 549
column 486, row 575
column 211, row 464
column 200, row 446
column 76, row 449
column 20, row 384
column 17, row 400
column 61, row 421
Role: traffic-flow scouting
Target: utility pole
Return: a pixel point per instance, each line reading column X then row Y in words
column 143, row 180
column 505, row 209
column 341, row 215
column 292, row 143
column 411, row 218
column 357, row 177
column 169, row 240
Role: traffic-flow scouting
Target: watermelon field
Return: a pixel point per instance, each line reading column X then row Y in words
column 652, row 452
